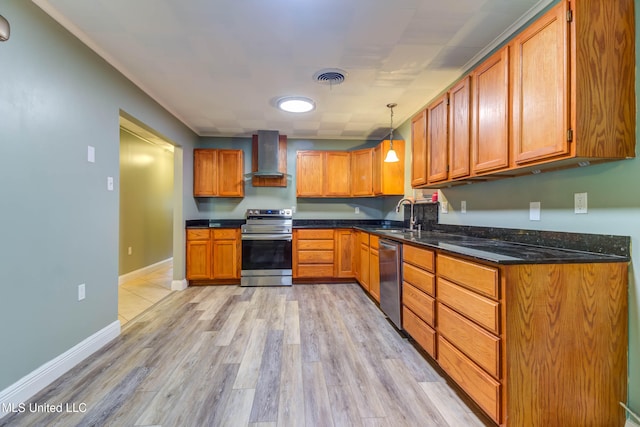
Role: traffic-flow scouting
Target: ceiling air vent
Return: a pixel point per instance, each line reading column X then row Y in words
column 330, row 76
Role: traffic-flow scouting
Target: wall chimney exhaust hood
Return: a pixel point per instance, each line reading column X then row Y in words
column 268, row 154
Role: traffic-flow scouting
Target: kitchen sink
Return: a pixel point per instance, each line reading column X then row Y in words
column 393, row 230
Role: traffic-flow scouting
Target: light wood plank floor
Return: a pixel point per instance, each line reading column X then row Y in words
column 307, row 355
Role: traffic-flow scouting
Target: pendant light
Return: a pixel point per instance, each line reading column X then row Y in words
column 391, row 157
column 5, row 29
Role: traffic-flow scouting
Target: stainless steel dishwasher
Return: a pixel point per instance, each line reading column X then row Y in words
column 391, row 280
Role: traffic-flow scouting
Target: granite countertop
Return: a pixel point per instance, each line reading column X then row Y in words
column 493, row 250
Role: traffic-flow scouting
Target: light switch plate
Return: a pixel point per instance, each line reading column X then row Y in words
column 110, row 183
column 444, row 207
column 91, row 154
column 463, row 206
column 81, row 292
column 534, row 211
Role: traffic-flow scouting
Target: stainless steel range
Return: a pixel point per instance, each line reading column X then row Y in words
column 266, row 248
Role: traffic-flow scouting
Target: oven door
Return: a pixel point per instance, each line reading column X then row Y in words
column 265, row 255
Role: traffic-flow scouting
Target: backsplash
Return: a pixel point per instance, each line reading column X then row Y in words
column 426, row 214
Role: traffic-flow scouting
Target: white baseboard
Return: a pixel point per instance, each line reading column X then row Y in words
column 32, row 383
column 179, row 285
column 142, row 271
column 630, row 423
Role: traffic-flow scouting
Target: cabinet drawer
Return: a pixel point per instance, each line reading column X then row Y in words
column 419, row 278
column 475, row 342
column 198, row 234
column 422, row 333
column 474, row 276
column 481, row 310
column 423, row 258
column 418, row 302
column 317, row 270
column 480, row 386
column 315, row 257
column 374, row 242
column 224, row 233
column 315, row 244
column 314, row 234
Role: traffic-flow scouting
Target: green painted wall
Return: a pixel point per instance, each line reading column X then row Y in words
column 59, row 224
column 146, row 204
column 285, row 197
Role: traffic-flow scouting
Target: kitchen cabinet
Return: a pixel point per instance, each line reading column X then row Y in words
column 418, row 296
column 313, row 253
column 361, row 172
column 388, row 178
column 437, row 140
column 323, row 174
column 364, row 260
column 213, row 255
column 539, row 103
column 198, row 254
column 508, row 334
column 344, row 253
column 226, row 253
column 490, row 126
column 218, row 173
column 374, row 267
column 460, row 129
column 310, row 174
column 337, row 174
column 419, row 149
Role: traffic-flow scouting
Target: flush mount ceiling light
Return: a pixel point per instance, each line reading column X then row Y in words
column 296, row 104
column 5, row 29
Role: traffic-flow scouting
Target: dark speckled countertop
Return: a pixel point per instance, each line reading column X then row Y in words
column 496, row 245
column 494, row 250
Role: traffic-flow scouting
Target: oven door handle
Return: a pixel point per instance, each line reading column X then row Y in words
column 286, row 237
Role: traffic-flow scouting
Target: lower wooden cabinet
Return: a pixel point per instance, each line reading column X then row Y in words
column 345, row 253
column 511, row 334
column 313, row 253
column 374, row 268
column 213, row 255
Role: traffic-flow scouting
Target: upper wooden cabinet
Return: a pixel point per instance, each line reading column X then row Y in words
column 490, row 128
column 547, row 99
column 361, row 172
column 309, row 173
column 388, row 178
column 218, row 173
column 437, row 140
column 323, row 174
column 460, row 128
column 337, row 173
column 419, row 149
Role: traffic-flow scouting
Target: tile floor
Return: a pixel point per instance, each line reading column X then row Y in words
column 139, row 293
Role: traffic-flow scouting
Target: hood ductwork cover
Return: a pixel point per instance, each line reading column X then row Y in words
column 268, row 155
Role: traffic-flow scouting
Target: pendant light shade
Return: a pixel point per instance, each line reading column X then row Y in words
column 391, row 156
column 5, row 29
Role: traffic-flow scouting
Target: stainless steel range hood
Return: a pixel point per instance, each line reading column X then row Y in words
column 268, row 154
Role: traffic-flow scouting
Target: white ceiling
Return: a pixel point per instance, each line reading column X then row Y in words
column 218, row 65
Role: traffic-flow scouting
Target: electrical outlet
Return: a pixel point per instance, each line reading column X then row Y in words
column 357, row 210
column 444, row 207
column 534, row 211
column 293, row 209
column 129, row 250
column 81, row 292
column 580, row 203
column 463, row 206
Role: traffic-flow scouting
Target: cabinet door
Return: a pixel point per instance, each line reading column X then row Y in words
column 491, row 113
column 361, row 172
column 437, row 143
column 337, row 173
column 309, row 173
column 230, row 173
column 198, row 259
column 419, row 149
column 388, row 178
column 376, row 172
column 364, row 266
column 539, row 58
column 205, row 163
column 226, row 254
column 374, row 273
column 344, row 257
column 459, row 128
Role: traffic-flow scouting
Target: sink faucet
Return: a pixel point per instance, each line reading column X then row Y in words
column 412, row 219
